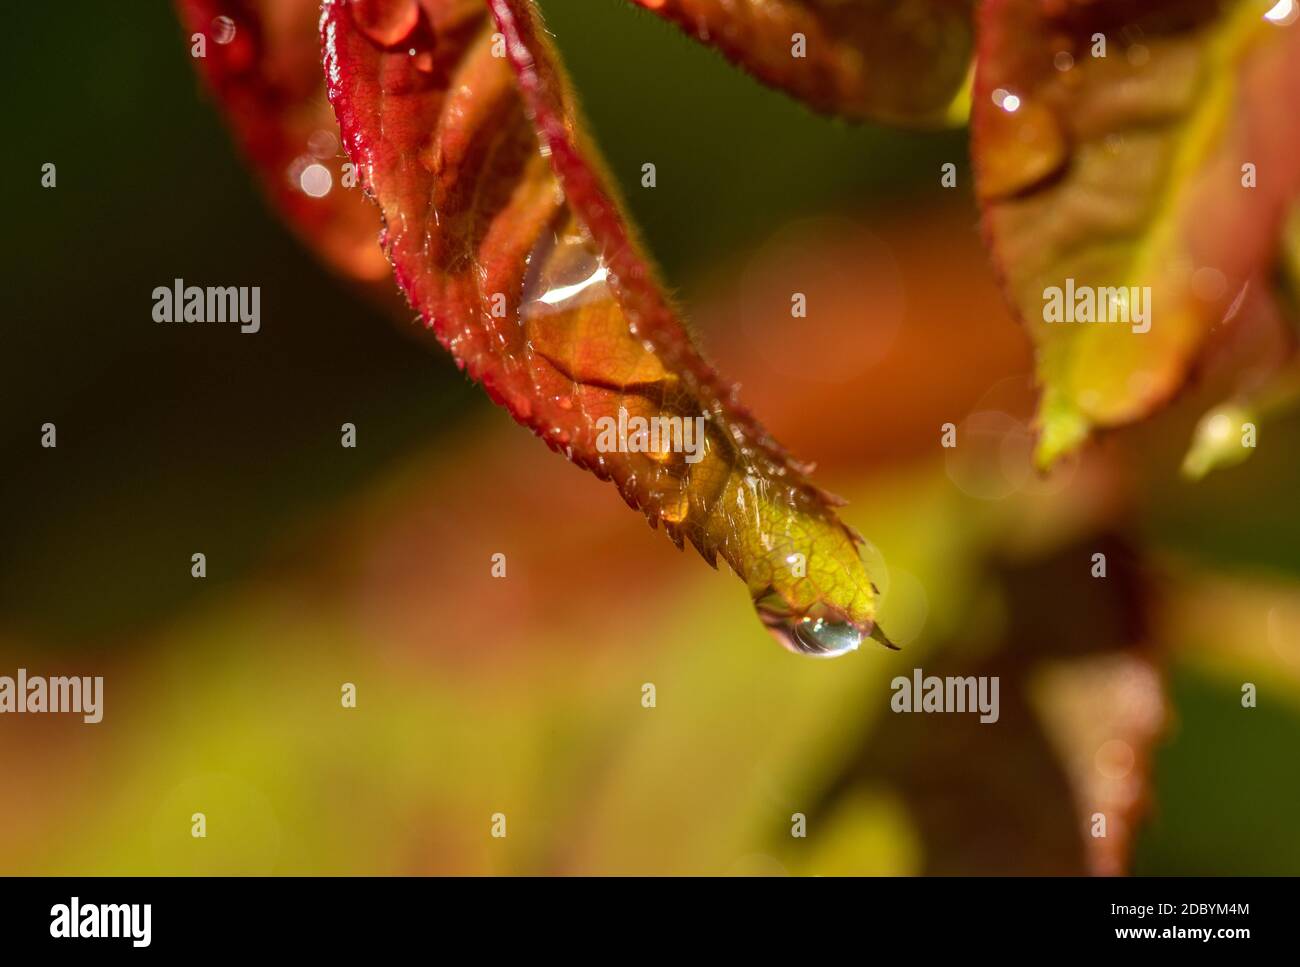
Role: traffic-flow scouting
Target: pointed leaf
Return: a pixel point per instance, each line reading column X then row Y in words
column 517, row 256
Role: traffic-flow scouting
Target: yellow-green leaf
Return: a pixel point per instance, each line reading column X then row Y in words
column 1135, row 163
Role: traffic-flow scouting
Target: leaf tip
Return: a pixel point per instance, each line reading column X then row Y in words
column 1062, row 431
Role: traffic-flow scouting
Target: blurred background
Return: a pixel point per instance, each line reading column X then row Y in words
column 523, row 695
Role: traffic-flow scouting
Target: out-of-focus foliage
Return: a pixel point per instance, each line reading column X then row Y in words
column 903, row 63
column 1144, row 153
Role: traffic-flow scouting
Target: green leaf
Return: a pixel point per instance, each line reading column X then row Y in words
column 1142, row 158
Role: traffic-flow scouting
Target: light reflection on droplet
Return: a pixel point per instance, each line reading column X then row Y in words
column 565, row 293
column 564, row 272
column 675, row 509
column 817, row 635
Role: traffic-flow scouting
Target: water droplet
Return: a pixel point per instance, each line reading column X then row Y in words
column 564, row 272
column 386, row 22
column 665, row 454
column 817, row 635
column 223, row 29
column 1022, row 145
column 674, row 509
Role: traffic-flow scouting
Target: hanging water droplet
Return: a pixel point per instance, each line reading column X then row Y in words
column 816, row 637
column 814, row 634
column 386, row 22
column 674, row 509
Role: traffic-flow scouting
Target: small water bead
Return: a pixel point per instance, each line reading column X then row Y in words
column 675, row 509
column 564, row 272
column 1023, row 144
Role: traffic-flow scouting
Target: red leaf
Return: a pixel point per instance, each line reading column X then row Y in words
column 903, row 61
column 505, row 237
column 262, row 61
